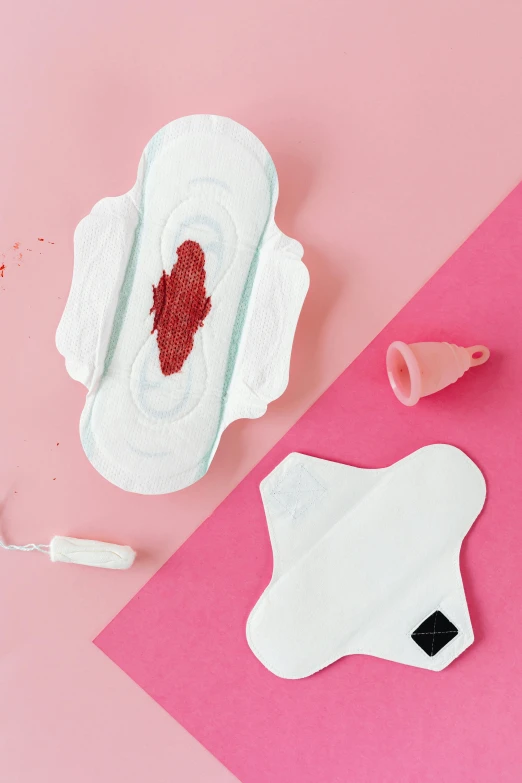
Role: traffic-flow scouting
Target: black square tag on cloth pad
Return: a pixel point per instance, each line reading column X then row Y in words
column 434, row 633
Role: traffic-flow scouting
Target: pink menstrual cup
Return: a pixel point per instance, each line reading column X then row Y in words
column 420, row 369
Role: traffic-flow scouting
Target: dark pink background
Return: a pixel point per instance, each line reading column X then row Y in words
column 182, row 638
column 395, row 128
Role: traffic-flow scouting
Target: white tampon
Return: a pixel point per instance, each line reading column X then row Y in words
column 82, row 552
column 90, row 553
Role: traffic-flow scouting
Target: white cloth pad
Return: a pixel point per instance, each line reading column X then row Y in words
column 366, row 561
column 150, row 425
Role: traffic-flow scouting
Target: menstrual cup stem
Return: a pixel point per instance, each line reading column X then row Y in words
column 478, row 354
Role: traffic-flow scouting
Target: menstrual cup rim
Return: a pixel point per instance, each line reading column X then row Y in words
column 413, row 368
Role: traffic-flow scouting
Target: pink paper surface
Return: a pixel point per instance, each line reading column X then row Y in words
column 182, row 638
column 395, row 129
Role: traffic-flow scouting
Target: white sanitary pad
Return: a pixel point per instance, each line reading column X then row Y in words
column 366, row 561
column 183, row 305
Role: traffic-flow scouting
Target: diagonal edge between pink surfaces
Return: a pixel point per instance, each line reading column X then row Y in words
column 178, row 636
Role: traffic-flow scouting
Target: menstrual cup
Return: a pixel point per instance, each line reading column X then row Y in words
column 416, row 370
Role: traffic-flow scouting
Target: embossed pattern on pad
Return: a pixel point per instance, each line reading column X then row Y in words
column 183, row 306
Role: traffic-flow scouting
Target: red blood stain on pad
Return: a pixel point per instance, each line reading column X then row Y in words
column 2, row 267
column 180, row 305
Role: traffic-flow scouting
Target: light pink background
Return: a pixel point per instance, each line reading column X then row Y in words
column 395, row 128
column 182, row 638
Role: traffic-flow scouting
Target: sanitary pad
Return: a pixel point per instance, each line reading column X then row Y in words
column 366, row 561
column 183, row 305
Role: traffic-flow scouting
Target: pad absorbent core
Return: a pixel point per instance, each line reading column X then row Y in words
column 183, row 305
column 366, row 561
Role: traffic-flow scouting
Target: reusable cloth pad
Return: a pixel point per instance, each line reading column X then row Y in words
column 366, row 561
column 183, row 305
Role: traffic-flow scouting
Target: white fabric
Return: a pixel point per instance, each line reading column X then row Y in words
column 362, row 558
column 90, row 553
column 209, row 180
